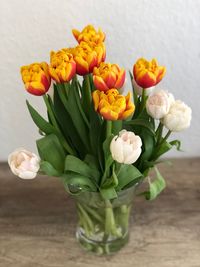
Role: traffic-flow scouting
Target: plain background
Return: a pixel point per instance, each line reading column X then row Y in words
column 168, row 30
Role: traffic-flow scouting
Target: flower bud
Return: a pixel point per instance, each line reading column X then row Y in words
column 126, row 148
column 178, row 118
column 158, row 104
column 108, row 76
column 23, row 163
column 36, row 78
column 148, row 73
column 63, row 67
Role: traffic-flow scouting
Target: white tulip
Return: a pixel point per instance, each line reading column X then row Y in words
column 158, row 104
column 126, row 147
column 23, row 163
column 138, row 89
column 178, row 117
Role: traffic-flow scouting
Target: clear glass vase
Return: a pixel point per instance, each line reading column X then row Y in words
column 103, row 224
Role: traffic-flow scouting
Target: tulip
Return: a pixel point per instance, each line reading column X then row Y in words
column 138, row 89
column 100, row 49
column 23, row 163
column 89, row 34
column 178, row 118
column 36, row 78
column 62, row 66
column 108, row 76
column 158, row 104
column 126, row 147
column 86, row 58
column 148, row 73
column 113, row 106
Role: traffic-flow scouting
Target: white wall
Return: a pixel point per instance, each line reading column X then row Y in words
column 168, row 30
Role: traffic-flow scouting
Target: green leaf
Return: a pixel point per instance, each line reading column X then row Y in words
column 155, row 187
column 177, row 144
column 76, row 116
column 126, row 175
column 76, row 183
column 112, row 181
column 78, row 166
column 50, row 150
column 48, row 169
column 41, row 123
column 141, row 122
column 65, row 121
column 108, row 193
column 165, row 147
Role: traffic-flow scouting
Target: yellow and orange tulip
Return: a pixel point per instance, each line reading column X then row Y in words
column 108, row 76
column 113, row 106
column 36, row 78
column 89, row 34
column 62, row 66
column 86, row 58
column 148, row 73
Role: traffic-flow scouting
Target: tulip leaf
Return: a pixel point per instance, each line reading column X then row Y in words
column 76, row 116
column 76, row 183
column 94, row 130
column 127, row 174
column 48, row 169
column 51, row 150
column 74, row 164
column 41, row 123
column 140, row 122
column 165, row 147
column 65, row 121
column 155, row 187
column 108, row 193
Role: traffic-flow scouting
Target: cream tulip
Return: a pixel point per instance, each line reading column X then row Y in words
column 126, row 147
column 178, row 117
column 158, row 104
column 23, row 163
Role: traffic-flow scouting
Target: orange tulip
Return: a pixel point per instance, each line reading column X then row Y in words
column 62, row 67
column 148, row 73
column 113, row 106
column 89, row 34
column 36, row 78
column 108, row 76
column 86, row 58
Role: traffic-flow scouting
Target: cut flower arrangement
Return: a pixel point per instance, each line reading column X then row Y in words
column 100, row 143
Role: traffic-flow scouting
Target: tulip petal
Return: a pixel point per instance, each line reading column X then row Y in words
column 99, row 83
column 109, row 114
column 121, row 79
column 35, row 88
column 82, row 67
column 76, row 33
column 145, row 79
column 95, row 97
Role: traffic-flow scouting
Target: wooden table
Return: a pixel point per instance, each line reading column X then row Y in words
column 38, row 220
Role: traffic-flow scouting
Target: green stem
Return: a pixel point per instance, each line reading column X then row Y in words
column 143, row 100
column 165, row 138
column 108, row 128
column 159, row 132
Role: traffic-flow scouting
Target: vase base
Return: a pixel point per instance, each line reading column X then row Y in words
column 101, row 247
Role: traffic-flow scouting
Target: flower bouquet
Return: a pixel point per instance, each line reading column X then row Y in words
column 100, row 143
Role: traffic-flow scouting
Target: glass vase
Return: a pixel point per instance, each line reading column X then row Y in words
column 103, row 224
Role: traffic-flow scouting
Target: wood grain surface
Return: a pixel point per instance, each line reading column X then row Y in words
column 38, row 222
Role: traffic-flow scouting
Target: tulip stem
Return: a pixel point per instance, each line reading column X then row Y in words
column 108, row 128
column 159, row 132
column 143, row 100
column 165, row 138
